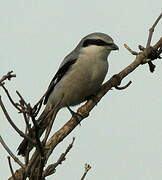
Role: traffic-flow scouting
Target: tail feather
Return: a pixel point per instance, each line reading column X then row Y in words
column 42, row 125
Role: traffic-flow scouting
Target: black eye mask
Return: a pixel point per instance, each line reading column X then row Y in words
column 97, row 42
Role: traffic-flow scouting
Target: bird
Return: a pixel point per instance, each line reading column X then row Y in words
column 79, row 76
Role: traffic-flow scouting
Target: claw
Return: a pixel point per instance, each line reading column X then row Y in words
column 123, row 87
column 75, row 115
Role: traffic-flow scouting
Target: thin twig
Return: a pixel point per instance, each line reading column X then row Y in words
column 8, row 76
column 86, row 169
column 11, row 100
column 21, row 98
column 10, row 153
column 26, row 118
column 151, row 30
column 13, row 125
column 141, row 48
column 11, row 169
column 52, row 168
column 130, row 50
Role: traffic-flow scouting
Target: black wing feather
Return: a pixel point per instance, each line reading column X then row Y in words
column 58, row 76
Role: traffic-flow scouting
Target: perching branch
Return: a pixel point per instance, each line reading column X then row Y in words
column 85, row 109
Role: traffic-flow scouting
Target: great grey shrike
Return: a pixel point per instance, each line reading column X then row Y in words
column 79, row 76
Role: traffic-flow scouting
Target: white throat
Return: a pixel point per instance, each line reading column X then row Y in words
column 94, row 51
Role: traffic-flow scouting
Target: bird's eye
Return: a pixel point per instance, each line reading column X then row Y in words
column 97, row 42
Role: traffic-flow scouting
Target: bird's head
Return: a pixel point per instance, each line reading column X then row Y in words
column 97, row 43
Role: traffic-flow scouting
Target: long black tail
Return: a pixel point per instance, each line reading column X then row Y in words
column 42, row 125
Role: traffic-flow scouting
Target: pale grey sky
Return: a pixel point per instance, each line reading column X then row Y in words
column 122, row 139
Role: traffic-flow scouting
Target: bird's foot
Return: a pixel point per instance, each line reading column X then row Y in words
column 93, row 98
column 76, row 115
column 118, row 79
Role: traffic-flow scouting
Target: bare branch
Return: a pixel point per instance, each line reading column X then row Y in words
column 20, row 107
column 151, row 30
column 141, row 48
column 52, row 168
column 38, row 144
column 130, row 50
column 11, row 100
column 8, row 76
column 12, row 123
column 11, row 169
column 22, row 99
column 10, row 153
column 86, row 169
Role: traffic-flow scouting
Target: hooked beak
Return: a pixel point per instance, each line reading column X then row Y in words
column 114, row 47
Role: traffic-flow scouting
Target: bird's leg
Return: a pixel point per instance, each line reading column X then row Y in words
column 118, row 79
column 93, row 97
column 75, row 114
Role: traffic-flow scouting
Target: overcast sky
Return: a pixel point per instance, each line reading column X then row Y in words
column 122, row 138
